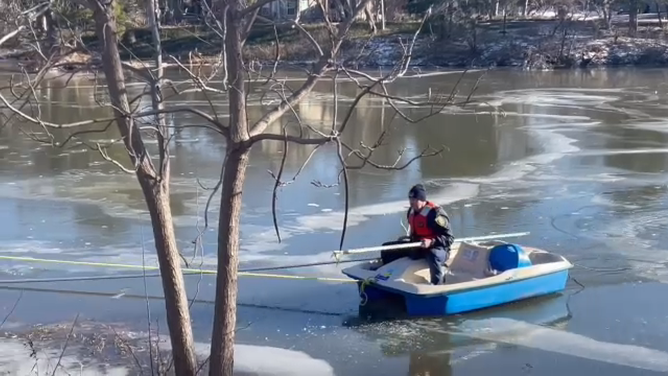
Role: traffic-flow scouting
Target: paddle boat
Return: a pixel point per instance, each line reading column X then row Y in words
column 479, row 275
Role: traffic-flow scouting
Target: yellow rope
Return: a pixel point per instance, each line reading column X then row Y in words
column 188, row 270
column 363, row 295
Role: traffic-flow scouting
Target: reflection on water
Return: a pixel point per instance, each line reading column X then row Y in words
column 435, row 346
column 578, row 159
column 426, row 364
column 79, row 175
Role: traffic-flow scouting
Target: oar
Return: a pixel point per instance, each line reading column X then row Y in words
column 394, row 247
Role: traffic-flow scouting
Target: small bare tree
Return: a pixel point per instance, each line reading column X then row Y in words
column 233, row 24
column 153, row 179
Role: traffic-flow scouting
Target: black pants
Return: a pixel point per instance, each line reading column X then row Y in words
column 435, row 256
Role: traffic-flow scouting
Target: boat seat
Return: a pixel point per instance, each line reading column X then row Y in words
column 468, row 262
column 471, row 260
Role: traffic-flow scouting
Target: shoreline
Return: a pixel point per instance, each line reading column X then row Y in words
column 528, row 44
column 116, row 348
column 11, row 66
column 626, row 57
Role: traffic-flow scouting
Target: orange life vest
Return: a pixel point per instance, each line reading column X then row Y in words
column 418, row 222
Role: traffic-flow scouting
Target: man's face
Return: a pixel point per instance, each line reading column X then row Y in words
column 416, row 204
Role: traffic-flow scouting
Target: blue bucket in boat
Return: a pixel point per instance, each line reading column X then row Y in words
column 508, row 256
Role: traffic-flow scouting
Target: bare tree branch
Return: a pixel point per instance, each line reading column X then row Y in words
column 319, row 69
column 16, row 303
column 434, row 104
column 67, row 341
column 106, row 157
column 220, row 128
column 129, row 349
column 277, row 182
column 344, row 226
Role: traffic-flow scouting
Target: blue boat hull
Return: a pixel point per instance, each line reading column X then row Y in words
column 467, row 300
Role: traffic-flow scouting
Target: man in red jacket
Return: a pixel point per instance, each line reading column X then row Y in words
column 430, row 225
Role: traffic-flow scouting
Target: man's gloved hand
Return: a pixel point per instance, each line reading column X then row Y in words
column 426, row 243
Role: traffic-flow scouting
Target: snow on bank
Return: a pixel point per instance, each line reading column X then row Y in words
column 273, row 361
column 527, row 45
column 16, row 359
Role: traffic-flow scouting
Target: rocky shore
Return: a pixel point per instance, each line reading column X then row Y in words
column 536, row 45
column 604, row 52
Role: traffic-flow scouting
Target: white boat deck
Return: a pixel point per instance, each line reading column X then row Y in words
column 468, row 267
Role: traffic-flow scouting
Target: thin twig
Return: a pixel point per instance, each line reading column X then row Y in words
column 148, row 304
column 67, row 341
column 140, row 369
column 16, row 303
column 277, row 182
column 347, row 197
column 198, row 244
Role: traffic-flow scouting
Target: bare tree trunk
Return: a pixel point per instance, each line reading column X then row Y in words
column 52, row 33
column 658, row 14
column 221, row 362
column 225, row 312
column 342, row 8
column 156, row 193
column 176, row 6
column 525, row 9
column 505, row 19
column 383, row 15
column 607, row 14
column 368, row 13
column 176, row 301
column 633, row 18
